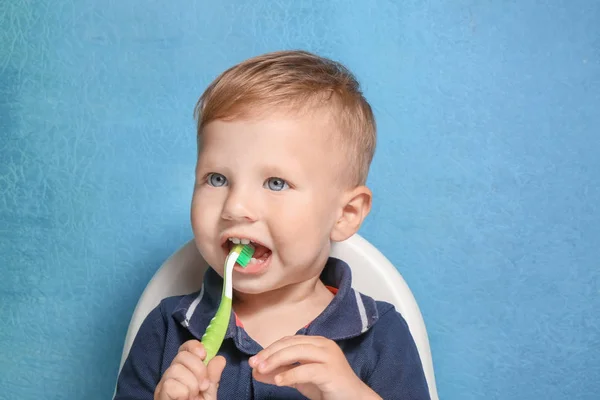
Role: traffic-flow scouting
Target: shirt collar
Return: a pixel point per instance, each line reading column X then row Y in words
column 349, row 314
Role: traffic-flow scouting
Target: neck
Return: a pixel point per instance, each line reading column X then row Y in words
column 287, row 296
column 284, row 310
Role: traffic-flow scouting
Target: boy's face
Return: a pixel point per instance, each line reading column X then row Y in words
column 273, row 181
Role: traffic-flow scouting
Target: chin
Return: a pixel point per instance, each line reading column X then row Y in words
column 249, row 290
column 254, row 288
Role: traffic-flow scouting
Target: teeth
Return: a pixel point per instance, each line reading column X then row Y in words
column 238, row 241
column 253, row 260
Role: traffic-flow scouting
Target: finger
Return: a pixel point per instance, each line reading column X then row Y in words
column 181, row 374
column 286, row 342
column 270, row 377
column 194, row 364
column 195, row 347
column 172, row 389
column 300, row 353
column 307, row 373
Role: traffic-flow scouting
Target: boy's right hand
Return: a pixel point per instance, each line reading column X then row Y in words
column 187, row 378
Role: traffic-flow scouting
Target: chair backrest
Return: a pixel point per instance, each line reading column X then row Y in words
column 372, row 274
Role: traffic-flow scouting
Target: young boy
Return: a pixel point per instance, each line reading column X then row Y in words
column 285, row 141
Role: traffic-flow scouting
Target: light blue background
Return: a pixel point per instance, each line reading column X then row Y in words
column 486, row 179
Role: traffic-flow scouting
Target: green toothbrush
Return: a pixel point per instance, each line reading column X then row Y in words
column 215, row 332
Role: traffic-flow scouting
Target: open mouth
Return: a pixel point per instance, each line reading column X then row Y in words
column 261, row 252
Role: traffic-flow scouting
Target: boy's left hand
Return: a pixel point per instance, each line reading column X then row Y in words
column 314, row 365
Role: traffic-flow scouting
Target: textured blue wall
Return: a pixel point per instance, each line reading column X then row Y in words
column 487, row 178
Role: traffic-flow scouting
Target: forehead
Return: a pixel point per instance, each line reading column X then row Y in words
column 304, row 140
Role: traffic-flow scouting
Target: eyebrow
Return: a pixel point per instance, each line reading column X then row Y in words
column 208, row 161
column 274, row 171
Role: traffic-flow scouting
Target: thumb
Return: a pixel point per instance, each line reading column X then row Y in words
column 215, row 369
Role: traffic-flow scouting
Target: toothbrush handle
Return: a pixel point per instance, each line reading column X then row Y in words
column 215, row 332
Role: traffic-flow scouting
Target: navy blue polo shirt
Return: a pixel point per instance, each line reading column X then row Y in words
column 373, row 336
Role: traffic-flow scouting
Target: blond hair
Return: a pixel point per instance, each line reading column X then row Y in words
column 296, row 80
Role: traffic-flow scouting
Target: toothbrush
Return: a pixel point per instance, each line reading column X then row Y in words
column 215, row 332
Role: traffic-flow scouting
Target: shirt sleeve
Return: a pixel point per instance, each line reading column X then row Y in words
column 398, row 372
column 142, row 369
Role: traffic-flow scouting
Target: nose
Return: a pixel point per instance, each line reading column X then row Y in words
column 238, row 206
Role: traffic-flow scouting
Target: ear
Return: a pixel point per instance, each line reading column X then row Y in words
column 356, row 204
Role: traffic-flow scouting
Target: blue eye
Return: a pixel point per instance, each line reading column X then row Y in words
column 216, row 180
column 276, row 184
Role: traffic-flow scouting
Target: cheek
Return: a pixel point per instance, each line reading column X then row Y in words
column 204, row 215
column 305, row 226
column 205, row 219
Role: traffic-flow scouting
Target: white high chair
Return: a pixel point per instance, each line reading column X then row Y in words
column 372, row 274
